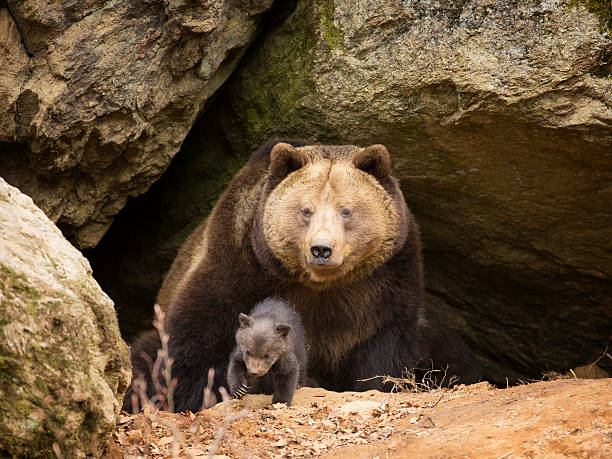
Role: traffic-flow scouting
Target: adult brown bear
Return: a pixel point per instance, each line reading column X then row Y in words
column 326, row 228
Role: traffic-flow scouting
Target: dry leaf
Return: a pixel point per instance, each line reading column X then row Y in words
column 123, row 419
column 165, row 441
column 328, row 424
column 136, row 433
column 120, row 437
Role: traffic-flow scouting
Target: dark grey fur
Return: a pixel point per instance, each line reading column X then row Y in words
column 270, row 355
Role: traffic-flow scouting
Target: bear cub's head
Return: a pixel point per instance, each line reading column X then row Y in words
column 333, row 213
column 262, row 342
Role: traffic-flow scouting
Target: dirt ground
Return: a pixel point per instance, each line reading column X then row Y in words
column 563, row 418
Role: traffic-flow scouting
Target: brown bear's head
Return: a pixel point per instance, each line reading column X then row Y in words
column 331, row 214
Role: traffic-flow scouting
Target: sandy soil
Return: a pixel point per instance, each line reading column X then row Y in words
column 563, row 418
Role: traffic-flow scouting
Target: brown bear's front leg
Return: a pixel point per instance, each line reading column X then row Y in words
column 236, row 375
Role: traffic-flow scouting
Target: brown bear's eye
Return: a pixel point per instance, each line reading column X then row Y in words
column 346, row 212
column 306, row 212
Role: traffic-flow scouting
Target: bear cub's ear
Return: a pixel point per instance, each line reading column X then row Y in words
column 285, row 158
column 374, row 160
column 245, row 321
column 283, row 329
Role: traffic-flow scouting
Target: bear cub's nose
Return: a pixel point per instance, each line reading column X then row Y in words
column 322, row 252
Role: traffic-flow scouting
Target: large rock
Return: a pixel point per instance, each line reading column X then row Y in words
column 111, row 91
column 498, row 115
column 498, row 118
column 63, row 365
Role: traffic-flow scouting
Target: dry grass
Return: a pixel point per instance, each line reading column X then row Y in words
column 409, row 382
column 164, row 395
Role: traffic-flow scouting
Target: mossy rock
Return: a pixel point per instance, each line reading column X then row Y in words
column 63, row 365
column 600, row 8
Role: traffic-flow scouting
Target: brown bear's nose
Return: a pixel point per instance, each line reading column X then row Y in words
column 321, row 251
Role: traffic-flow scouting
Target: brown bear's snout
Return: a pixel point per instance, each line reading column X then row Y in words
column 321, row 251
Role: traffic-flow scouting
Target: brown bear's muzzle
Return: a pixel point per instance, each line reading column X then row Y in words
column 324, row 254
column 321, row 251
column 324, row 260
column 324, row 248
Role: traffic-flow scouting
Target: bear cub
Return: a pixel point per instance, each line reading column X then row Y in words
column 270, row 355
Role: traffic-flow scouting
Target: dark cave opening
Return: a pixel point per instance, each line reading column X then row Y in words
column 131, row 259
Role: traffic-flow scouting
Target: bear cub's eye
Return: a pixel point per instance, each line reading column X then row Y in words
column 346, row 212
column 306, row 212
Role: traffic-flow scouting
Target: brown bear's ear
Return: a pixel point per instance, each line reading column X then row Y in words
column 285, row 158
column 374, row 160
column 283, row 329
column 245, row 321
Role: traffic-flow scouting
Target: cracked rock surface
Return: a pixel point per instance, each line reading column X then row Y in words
column 101, row 96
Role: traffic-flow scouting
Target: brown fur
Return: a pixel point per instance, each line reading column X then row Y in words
column 325, row 186
column 361, row 308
